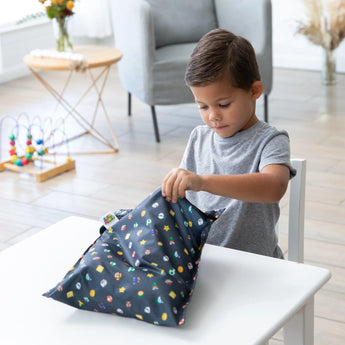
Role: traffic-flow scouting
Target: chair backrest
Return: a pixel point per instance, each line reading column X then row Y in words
column 181, row 21
column 296, row 212
column 251, row 19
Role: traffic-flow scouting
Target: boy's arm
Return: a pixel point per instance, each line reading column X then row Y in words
column 267, row 186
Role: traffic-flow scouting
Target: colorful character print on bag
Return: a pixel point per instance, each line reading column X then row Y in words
column 144, row 264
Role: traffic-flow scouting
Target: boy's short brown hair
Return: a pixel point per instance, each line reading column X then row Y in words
column 221, row 54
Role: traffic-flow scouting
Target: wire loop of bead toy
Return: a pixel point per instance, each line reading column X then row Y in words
column 30, row 140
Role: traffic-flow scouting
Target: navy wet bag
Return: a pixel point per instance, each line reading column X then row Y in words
column 144, row 264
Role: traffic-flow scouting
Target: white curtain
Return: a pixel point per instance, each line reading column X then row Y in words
column 91, row 19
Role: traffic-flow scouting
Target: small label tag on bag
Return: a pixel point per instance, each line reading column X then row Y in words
column 109, row 220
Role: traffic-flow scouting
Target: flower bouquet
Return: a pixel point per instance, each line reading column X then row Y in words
column 60, row 10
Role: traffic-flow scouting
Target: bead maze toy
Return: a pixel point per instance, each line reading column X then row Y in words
column 29, row 158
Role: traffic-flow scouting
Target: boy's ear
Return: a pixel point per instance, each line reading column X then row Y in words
column 257, row 89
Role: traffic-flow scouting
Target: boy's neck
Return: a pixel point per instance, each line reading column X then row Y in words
column 252, row 121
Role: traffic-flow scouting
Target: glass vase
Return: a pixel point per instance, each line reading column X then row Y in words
column 328, row 67
column 63, row 43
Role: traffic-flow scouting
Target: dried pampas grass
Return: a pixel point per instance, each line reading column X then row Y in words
column 326, row 22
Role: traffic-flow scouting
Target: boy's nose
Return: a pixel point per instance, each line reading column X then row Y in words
column 214, row 115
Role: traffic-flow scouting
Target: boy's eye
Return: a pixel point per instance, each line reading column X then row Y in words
column 224, row 105
column 202, row 107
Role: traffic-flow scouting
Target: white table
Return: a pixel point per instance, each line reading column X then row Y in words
column 240, row 298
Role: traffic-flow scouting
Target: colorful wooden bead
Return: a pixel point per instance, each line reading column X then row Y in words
column 18, row 162
column 28, row 155
column 29, row 149
column 25, row 161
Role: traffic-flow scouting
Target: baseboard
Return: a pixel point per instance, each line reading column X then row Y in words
column 13, row 72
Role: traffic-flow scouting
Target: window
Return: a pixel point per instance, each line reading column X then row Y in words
column 17, row 10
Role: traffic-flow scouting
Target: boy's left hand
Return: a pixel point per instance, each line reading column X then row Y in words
column 178, row 181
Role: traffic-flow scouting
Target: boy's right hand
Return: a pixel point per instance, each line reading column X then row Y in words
column 178, row 181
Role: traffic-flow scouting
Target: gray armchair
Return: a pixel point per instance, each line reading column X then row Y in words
column 157, row 38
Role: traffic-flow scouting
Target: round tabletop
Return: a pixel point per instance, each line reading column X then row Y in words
column 95, row 56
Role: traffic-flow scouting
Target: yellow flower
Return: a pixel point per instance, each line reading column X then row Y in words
column 69, row 5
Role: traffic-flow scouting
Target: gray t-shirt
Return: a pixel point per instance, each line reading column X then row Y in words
column 243, row 225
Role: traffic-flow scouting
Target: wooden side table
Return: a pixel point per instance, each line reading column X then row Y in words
column 95, row 56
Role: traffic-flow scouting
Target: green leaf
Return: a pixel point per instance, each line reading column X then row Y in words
column 51, row 12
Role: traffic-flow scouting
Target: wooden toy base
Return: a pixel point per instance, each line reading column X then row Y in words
column 42, row 174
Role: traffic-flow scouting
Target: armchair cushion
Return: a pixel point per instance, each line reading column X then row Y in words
column 168, row 74
column 182, row 21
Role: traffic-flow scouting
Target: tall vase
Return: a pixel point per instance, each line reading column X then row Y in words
column 62, row 39
column 328, row 67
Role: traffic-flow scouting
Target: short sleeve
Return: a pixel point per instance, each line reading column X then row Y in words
column 277, row 151
column 188, row 161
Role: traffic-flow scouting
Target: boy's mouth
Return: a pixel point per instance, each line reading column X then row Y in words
column 217, row 128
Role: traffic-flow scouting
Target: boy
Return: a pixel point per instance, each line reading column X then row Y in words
column 234, row 161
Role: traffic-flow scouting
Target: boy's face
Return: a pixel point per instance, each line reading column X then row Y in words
column 226, row 109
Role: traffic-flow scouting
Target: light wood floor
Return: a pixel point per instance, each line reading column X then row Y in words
column 313, row 115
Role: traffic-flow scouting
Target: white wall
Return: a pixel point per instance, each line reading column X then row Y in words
column 292, row 50
column 17, row 41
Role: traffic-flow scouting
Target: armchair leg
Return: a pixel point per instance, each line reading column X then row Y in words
column 155, row 125
column 129, row 104
column 266, row 108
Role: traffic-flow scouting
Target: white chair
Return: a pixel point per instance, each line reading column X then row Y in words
column 296, row 252
column 296, row 212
